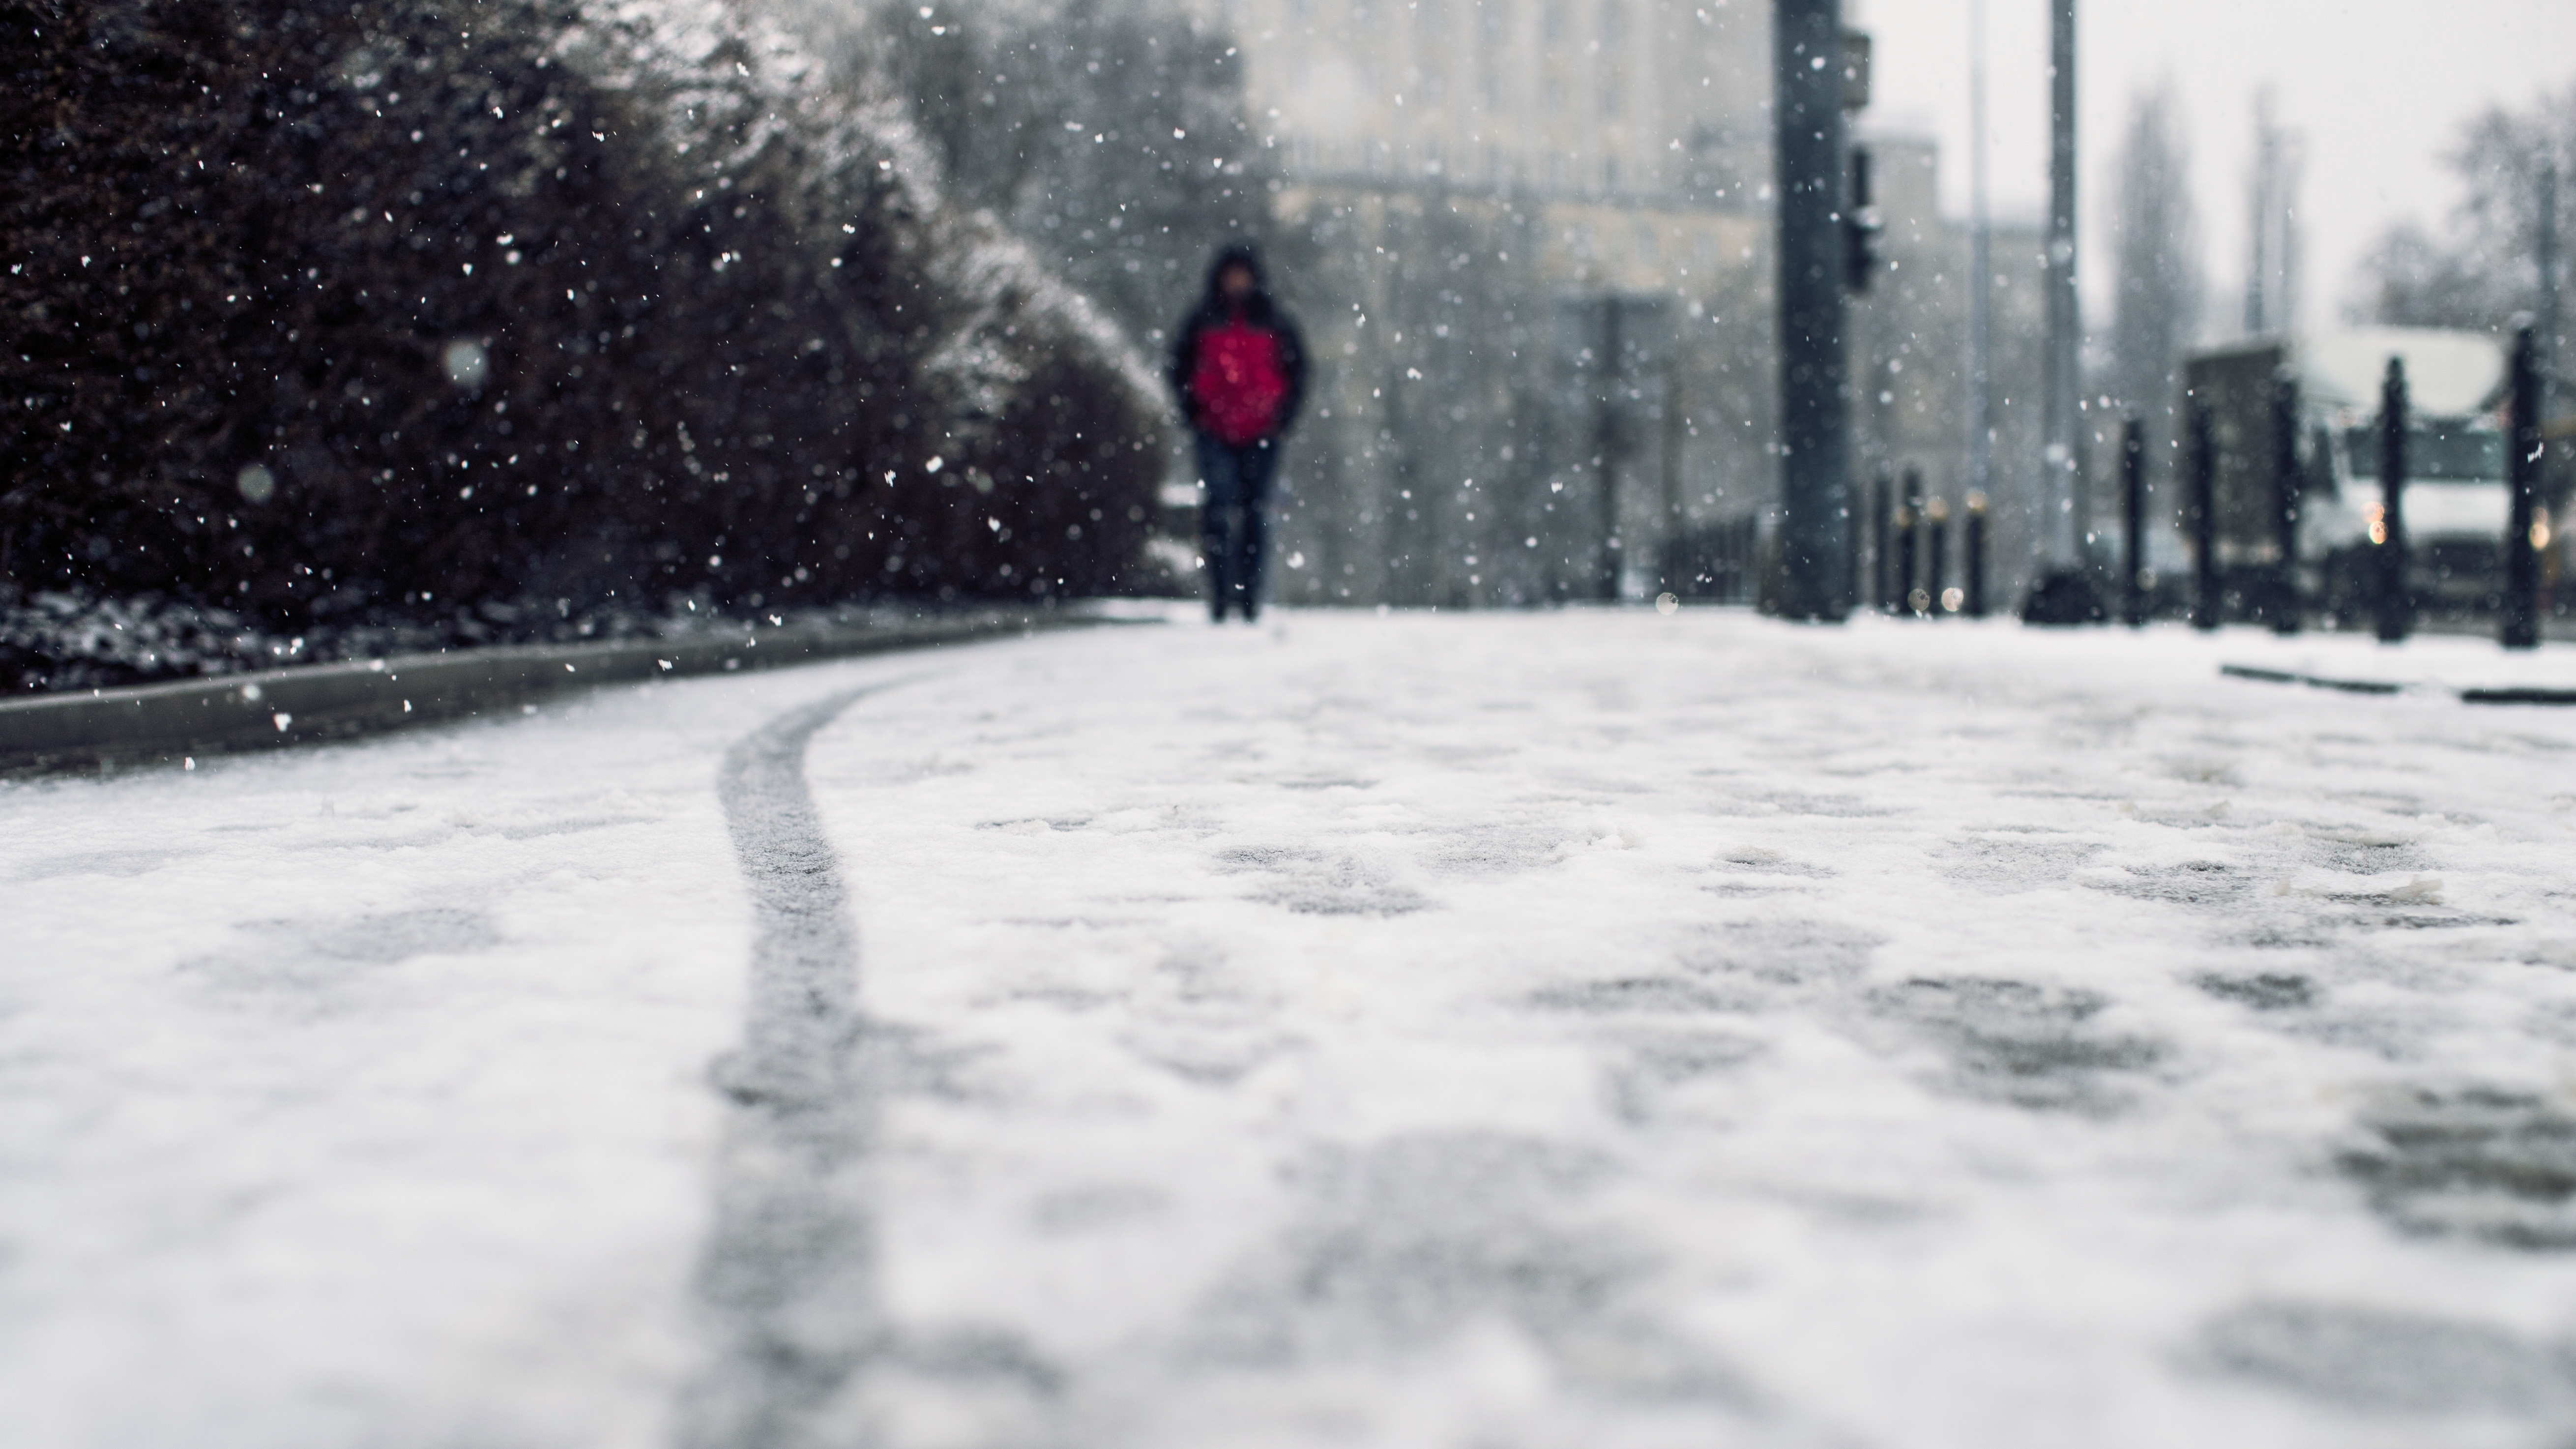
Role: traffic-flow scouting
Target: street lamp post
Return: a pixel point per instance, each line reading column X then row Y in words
column 1981, row 274
column 2064, row 469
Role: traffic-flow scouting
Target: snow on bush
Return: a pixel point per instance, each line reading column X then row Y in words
column 340, row 317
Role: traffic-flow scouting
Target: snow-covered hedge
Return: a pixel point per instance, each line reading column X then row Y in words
column 325, row 314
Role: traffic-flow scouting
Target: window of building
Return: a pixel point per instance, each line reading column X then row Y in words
column 1431, row 48
column 1493, row 26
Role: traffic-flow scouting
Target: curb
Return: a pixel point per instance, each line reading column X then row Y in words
column 2505, row 695
column 2312, row 681
column 170, row 724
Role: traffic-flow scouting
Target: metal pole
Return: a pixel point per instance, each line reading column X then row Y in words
column 2284, row 606
column 2133, row 521
column 2204, row 519
column 2548, row 284
column 1851, row 552
column 1936, row 518
column 2521, row 555
column 1606, row 441
column 1676, row 427
column 1976, row 560
column 1815, row 512
column 2396, row 603
column 1981, row 275
column 1882, row 521
column 1909, row 599
column 2064, row 320
column 2258, row 276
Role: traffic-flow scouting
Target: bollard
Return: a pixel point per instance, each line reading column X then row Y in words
column 1909, row 545
column 1882, row 527
column 2133, row 522
column 2388, row 533
column 1976, row 560
column 2284, row 604
column 1937, row 600
column 2521, row 546
column 2204, row 520
column 1851, row 548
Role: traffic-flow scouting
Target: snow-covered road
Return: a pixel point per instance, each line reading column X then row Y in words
column 1582, row 1028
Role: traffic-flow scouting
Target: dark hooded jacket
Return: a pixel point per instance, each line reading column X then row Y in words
column 1214, row 311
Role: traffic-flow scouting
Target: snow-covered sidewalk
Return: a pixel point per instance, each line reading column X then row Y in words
column 1590, row 1027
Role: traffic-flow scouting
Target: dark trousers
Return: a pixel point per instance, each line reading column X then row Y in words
column 1234, row 522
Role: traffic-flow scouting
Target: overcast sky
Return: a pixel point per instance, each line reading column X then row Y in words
column 2379, row 89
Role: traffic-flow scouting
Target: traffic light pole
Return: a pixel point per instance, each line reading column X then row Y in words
column 1815, row 494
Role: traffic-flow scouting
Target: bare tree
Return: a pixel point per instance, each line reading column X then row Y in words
column 2480, row 269
column 2155, row 259
column 1111, row 135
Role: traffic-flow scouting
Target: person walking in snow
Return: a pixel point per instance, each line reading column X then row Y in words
column 1240, row 370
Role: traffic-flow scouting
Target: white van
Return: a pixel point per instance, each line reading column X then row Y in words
column 2456, row 502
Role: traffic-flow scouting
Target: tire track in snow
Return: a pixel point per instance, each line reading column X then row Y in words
column 789, row 1275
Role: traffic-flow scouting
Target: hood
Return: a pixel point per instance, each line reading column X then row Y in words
column 1238, row 254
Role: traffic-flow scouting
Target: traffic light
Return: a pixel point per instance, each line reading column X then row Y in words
column 1861, row 226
